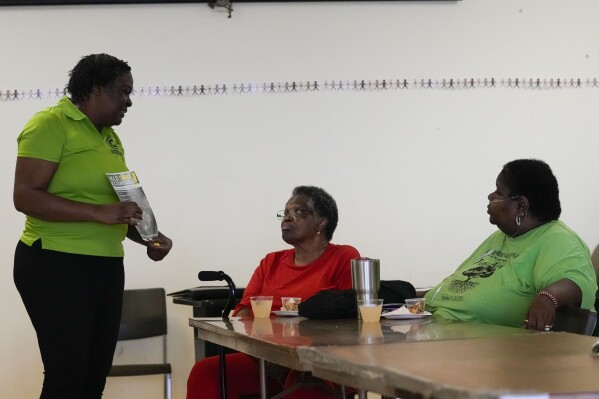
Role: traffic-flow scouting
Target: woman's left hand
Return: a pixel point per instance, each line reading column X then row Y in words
column 541, row 314
column 159, row 247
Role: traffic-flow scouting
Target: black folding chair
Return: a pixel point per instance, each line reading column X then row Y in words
column 144, row 316
column 575, row 320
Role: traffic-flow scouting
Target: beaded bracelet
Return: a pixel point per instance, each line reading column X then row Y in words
column 550, row 296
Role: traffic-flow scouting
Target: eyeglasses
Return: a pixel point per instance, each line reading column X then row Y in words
column 293, row 214
column 504, row 199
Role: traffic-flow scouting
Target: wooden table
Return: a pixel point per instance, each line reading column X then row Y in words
column 422, row 359
column 558, row 364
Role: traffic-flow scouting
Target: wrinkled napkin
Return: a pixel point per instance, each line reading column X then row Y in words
column 401, row 310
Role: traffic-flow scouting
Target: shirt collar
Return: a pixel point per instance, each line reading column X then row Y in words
column 70, row 109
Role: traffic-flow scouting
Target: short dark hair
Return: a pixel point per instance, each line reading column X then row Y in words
column 533, row 179
column 94, row 70
column 324, row 205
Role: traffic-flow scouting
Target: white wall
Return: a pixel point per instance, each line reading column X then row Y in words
column 410, row 169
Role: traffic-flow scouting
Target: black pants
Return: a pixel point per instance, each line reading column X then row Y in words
column 75, row 303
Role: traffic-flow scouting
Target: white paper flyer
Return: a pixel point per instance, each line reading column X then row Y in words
column 127, row 188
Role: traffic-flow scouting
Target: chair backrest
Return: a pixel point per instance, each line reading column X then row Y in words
column 144, row 314
column 595, row 261
column 596, row 330
column 575, row 320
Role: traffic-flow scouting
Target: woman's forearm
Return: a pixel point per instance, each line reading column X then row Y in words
column 562, row 293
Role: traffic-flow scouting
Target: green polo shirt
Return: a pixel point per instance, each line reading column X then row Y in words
column 63, row 134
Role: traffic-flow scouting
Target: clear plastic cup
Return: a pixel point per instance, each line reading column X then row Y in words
column 370, row 309
column 261, row 306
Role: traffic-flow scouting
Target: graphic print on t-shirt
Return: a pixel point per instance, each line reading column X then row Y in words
column 113, row 147
column 483, row 267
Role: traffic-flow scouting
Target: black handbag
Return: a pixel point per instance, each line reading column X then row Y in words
column 329, row 304
column 396, row 291
column 341, row 304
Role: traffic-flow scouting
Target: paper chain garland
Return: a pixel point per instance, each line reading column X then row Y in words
column 333, row 85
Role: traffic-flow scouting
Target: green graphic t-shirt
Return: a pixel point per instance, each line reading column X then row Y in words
column 498, row 282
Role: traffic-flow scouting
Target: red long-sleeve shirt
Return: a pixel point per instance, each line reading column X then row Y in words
column 277, row 275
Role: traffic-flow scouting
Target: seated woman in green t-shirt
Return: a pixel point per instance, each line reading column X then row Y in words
column 533, row 265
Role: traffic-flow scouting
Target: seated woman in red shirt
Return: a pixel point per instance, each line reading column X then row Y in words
column 314, row 264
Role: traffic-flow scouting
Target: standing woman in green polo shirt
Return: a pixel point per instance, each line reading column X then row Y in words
column 69, row 261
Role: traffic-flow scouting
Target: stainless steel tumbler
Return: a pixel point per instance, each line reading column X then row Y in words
column 365, row 278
